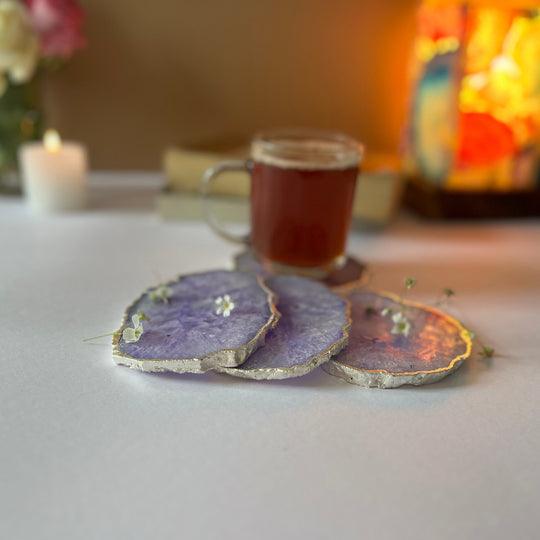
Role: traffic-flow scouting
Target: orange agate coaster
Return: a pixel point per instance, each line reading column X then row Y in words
column 436, row 346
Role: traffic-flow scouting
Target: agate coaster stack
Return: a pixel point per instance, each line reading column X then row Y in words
column 437, row 345
column 285, row 327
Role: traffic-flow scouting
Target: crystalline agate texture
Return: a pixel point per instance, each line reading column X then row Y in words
column 436, row 346
column 353, row 273
column 314, row 326
column 210, row 319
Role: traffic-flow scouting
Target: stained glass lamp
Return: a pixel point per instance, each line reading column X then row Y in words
column 473, row 138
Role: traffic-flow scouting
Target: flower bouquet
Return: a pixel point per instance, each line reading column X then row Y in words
column 35, row 36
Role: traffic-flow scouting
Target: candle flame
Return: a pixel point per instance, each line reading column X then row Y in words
column 52, row 140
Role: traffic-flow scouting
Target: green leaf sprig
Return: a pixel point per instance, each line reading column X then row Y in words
column 161, row 293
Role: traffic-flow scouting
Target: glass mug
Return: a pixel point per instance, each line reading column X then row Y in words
column 302, row 191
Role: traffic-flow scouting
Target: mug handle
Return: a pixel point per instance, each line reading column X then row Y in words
column 207, row 180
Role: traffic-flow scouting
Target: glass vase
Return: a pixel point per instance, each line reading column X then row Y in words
column 21, row 120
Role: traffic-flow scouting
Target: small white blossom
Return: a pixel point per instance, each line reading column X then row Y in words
column 402, row 325
column 224, row 305
column 162, row 293
column 131, row 335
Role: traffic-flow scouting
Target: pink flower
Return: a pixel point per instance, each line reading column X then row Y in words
column 59, row 25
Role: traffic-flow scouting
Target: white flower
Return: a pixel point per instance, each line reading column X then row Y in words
column 19, row 47
column 131, row 335
column 224, row 305
column 162, row 293
column 402, row 325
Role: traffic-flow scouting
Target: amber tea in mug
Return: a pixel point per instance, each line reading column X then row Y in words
column 302, row 191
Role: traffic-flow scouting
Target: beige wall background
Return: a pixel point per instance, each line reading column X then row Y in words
column 193, row 71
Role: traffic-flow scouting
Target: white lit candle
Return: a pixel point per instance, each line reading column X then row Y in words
column 54, row 173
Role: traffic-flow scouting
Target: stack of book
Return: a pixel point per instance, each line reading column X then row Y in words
column 377, row 194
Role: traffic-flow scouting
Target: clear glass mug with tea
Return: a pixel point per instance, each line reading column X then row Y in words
column 302, row 191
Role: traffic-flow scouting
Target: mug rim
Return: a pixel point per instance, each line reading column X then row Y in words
column 306, row 148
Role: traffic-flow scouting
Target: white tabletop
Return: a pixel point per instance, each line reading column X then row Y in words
column 89, row 450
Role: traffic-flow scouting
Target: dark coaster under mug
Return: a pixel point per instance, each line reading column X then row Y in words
column 352, row 274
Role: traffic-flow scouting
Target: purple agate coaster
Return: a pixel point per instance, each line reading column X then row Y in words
column 194, row 329
column 436, row 346
column 353, row 273
column 314, row 326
